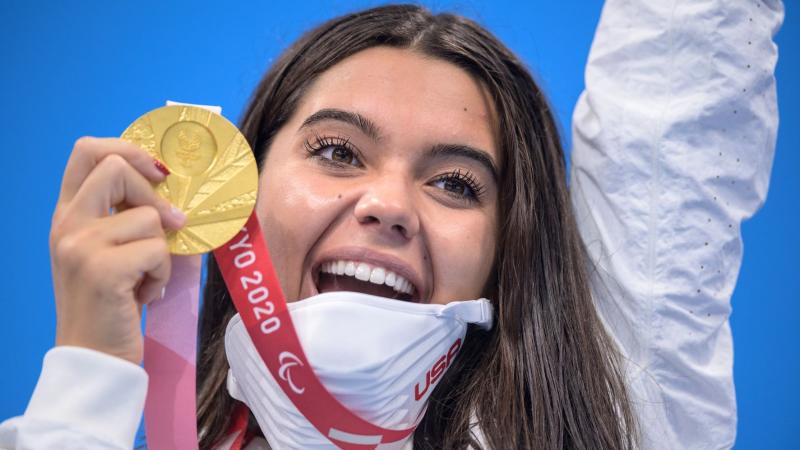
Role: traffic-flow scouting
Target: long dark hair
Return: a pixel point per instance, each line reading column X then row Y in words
column 547, row 375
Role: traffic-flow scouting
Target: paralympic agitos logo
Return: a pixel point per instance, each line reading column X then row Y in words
column 288, row 360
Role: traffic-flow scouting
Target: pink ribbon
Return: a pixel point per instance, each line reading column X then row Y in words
column 170, row 346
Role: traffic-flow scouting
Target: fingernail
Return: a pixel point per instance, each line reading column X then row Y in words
column 178, row 214
column 161, row 167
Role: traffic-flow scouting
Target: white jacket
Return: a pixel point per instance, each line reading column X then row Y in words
column 673, row 144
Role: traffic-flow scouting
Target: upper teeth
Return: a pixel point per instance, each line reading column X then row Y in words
column 366, row 272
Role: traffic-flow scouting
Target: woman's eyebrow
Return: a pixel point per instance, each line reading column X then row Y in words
column 465, row 151
column 355, row 119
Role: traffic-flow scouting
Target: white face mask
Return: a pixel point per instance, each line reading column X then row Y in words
column 380, row 357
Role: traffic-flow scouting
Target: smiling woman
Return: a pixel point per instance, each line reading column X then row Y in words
column 412, row 156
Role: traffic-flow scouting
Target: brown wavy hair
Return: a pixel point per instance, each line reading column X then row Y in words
column 547, row 375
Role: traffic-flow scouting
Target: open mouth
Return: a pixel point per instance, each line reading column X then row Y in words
column 355, row 276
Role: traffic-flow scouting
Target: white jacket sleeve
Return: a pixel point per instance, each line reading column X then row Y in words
column 673, row 144
column 83, row 400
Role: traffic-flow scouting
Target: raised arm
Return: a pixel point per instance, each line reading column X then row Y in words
column 673, row 144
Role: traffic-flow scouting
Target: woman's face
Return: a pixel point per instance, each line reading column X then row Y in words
column 384, row 182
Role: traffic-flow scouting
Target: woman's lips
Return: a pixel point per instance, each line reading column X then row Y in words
column 367, row 269
column 368, row 273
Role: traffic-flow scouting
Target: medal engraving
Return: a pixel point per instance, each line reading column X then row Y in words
column 188, row 148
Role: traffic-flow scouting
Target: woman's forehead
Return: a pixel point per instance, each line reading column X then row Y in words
column 409, row 96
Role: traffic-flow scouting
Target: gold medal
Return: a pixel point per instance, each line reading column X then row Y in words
column 213, row 175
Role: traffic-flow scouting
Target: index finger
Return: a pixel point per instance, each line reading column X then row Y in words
column 89, row 151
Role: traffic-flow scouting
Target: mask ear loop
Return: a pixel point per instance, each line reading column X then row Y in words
column 479, row 312
column 233, row 387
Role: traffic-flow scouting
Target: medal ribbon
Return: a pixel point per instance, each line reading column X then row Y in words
column 170, row 343
column 253, row 284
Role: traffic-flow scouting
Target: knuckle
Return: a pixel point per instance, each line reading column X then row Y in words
column 114, row 163
column 64, row 226
column 150, row 217
column 84, row 144
column 69, row 250
column 162, row 249
column 159, row 248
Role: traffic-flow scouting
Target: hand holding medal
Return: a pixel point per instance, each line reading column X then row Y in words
column 106, row 267
column 119, row 217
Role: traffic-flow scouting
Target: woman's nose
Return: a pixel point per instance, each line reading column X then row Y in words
column 388, row 206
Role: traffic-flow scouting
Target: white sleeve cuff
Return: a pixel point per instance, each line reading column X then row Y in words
column 87, row 390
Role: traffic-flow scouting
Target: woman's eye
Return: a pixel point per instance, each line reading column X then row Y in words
column 461, row 185
column 454, row 186
column 339, row 154
column 333, row 150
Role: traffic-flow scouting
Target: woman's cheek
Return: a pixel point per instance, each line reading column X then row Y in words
column 279, row 241
column 275, row 210
column 463, row 255
column 294, row 207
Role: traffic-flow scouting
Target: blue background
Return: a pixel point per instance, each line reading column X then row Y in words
column 69, row 69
